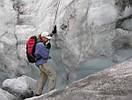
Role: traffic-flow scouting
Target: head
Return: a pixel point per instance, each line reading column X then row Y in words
column 44, row 36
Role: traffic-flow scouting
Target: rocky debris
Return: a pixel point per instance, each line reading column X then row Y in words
column 21, row 87
column 114, row 83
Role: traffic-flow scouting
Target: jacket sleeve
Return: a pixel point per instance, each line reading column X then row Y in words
column 42, row 51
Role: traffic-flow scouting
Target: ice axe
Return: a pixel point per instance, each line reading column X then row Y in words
column 54, row 31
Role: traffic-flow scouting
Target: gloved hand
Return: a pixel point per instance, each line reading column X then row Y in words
column 48, row 46
column 54, row 31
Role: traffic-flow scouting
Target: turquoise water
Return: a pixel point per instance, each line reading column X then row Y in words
column 93, row 66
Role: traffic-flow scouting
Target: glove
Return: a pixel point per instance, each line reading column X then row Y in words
column 48, row 46
column 54, row 30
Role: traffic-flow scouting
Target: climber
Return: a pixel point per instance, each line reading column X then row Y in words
column 42, row 50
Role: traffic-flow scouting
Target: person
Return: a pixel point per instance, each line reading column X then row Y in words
column 42, row 50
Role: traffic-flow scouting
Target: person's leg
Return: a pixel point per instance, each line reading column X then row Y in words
column 51, row 73
column 41, row 82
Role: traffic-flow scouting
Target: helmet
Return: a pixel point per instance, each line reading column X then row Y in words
column 45, row 34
